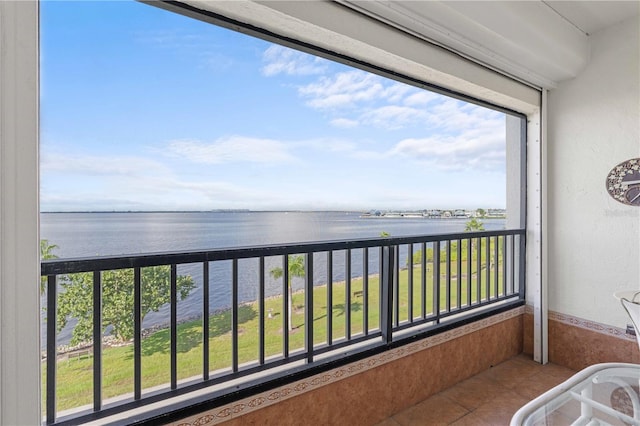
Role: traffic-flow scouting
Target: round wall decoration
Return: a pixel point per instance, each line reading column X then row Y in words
column 623, row 182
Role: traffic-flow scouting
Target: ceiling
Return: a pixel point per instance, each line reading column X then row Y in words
column 540, row 42
column 593, row 16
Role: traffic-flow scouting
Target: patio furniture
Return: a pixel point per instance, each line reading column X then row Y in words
column 630, row 300
column 602, row 394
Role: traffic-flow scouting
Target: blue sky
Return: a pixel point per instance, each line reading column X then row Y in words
column 142, row 109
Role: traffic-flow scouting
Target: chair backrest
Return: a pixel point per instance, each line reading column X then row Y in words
column 633, row 309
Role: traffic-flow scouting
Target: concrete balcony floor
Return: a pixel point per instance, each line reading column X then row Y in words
column 489, row 398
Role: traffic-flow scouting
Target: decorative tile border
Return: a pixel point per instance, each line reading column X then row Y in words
column 608, row 330
column 591, row 325
column 247, row 405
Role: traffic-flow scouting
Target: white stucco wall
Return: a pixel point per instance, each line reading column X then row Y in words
column 594, row 124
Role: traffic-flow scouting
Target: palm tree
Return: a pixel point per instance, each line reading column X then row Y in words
column 296, row 269
column 46, row 252
column 473, row 225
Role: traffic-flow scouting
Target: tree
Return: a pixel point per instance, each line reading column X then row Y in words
column 76, row 299
column 296, row 269
column 46, row 252
column 473, row 225
column 481, row 212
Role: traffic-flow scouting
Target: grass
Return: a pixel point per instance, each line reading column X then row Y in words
column 75, row 376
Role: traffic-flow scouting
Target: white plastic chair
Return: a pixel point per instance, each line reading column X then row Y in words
column 630, row 301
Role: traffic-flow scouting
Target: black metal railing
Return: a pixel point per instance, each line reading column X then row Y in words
column 368, row 290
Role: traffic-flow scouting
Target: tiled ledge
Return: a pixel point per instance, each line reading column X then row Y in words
column 586, row 324
column 576, row 343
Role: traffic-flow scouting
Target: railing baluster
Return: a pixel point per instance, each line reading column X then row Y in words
column 386, row 281
column 365, row 291
column 487, row 266
column 97, row 341
column 396, row 287
column 448, row 288
column 205, row 320
column 261, row 311
column 52, row 355
column 285, row 306
column 410, row 282
column 479, row 269
column 436, row 280
column 381, row 305
column 503, row 264
column 174, row 326
column 513, row 263
column 469, row 275
column 347, row 294
column 329, row 297
column 423, row 286
column 137, row 334
column 234, row 317
column 459, row 274
column 521, row 266
column 308, row 306
column 495, row 261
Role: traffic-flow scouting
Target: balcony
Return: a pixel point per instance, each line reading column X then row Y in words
column 392, row 296
column 589, row 124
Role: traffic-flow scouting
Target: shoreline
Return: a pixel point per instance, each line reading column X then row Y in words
column 63, row 351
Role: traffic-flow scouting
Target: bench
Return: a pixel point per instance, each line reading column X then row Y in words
column 79, row 354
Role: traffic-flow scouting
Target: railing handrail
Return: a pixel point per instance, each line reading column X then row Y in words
column 141, row 260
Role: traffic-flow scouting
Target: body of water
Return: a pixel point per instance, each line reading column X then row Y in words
column 103, row 234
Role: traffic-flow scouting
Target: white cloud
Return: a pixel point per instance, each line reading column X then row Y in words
column 329, row 145
column 421, row 98
column 283, row 60
column 343, row 89
column 393, row 116
column 232, row 149
column 396, row 92
column 360, row 97
column 453, row 115
column 95, row 165
column 485, row 152
column 344, row 123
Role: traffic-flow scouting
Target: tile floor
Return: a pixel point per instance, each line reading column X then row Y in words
column 489, row 398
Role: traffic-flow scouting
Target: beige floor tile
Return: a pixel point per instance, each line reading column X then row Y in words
column 500, row 410
column 511, row 373
column 388, row 422
column 538, row 384
column 471, row 419
column 436, row 410
column 474, row 392
column 487, row 399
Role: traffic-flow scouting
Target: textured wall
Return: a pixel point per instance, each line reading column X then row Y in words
column 593, row 125
column 576, row 343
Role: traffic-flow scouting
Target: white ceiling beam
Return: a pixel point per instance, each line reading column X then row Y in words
column 528, row 40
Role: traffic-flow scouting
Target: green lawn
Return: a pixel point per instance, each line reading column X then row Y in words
column 74, row 376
